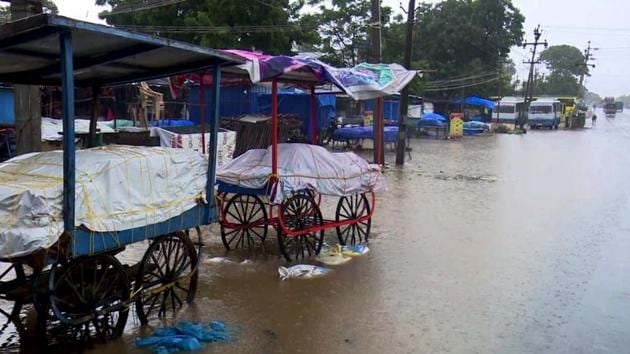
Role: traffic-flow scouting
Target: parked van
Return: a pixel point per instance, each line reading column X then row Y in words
column 509, row 109
column 544, row 113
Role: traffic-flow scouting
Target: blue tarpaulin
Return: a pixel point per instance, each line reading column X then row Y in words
column 7, row 106
column 432, row 120
column 244, row 99
column 351, row 133
column 476, row 101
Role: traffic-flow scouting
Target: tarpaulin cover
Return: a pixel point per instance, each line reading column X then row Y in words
column 117, row 188
column 51, row 128
column 477, row 101
column 432, row 120
column 362, row 82
column 349, row 133
column 302, row 166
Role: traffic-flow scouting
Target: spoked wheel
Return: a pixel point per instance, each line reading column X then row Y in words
column 353, row 207
column 167, row 277
column 11, row 279
column 89, row 300
column 245, row 222
column 300, row 212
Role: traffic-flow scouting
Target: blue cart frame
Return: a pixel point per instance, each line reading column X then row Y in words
column 82, row 261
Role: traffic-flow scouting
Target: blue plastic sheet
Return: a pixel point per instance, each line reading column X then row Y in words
column 185, row 336
column 432, row 120
column 349, row 133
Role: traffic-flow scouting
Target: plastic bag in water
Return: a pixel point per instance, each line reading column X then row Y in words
column 332, row 256
column 185, row 336
column 305, row 271
column 355, row 250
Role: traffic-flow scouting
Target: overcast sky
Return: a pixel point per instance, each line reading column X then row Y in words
column 574, row 22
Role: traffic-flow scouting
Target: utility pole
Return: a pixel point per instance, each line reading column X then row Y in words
column 584, row 69
column 500, row 91
column 28, row 116
column 375, row 58
column 528, row 94
column 404, row 95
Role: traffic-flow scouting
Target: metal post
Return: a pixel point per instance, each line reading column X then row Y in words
column 274, row 130
column 202, row 114
column 69, row 158
column 214, row 133
column 93, row 119
column 313, row 116
column 404, row 94
column 380, row 146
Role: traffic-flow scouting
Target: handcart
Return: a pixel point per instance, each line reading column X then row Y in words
column 79, row 289
column 247, row 213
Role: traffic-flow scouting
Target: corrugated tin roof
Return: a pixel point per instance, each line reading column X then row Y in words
column 103, row 55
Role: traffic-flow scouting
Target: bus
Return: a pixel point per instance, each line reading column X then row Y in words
column 509, row 109
column 544, row 113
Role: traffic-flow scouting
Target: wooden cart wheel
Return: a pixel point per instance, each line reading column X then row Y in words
column 88, row 300
column 167, row 277
column 249, row 215
column 15, row 277
column 352, row 208
column 300, row 212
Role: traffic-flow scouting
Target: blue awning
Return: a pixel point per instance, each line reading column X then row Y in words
column 476, row 101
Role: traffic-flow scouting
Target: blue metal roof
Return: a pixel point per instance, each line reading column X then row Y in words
column 103, row 55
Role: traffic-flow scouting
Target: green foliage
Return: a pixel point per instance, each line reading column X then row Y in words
column 218, row 13
column 460, row 38
column 558, row 84
column 344, row 29
column 563, row 59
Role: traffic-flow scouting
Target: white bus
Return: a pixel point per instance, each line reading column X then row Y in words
column 544, row 113
column 509, row 109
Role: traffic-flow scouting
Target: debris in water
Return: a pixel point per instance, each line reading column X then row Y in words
column 305, row 271
column 354, row 250
column 332, row 256
column 225, row 260
column 185, row 336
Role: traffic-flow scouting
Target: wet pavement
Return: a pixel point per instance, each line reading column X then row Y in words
column 493, row 244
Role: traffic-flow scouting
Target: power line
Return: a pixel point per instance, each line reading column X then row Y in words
column 461, row 80
column 212, row 29
column 140, row 5
column 462, row 86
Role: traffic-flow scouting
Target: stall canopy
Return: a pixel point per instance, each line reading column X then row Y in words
column 362, row 82
column 476, row 101
column 30, row 52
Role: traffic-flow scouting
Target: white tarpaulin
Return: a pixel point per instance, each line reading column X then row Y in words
column 302, row 166
column 226, row 140
column 51, row 128
column 117, row 188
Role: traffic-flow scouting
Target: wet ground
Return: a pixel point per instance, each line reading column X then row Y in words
column 493, row 244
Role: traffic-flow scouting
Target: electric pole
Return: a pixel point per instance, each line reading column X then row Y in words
column 528, row 94
column 375, row 58
column 28, row 116
column 404, row 95
column 584, row 69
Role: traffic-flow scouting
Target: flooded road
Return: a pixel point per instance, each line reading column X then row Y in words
column 493, row 244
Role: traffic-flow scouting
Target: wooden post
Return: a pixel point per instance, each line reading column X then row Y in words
column 28, row 115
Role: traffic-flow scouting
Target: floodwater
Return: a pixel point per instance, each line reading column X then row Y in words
column 497, row 244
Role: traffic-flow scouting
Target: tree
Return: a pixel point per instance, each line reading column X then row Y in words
column 221, row 13
column 461, row 39
column 563, row 59
column 49, row 7
column 564, row 63
column 344, row 29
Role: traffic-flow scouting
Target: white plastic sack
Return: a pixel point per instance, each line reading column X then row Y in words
column 302, row 166
column 51, row 128
column 117, row 188
column 226, row 140
column 305, row 271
